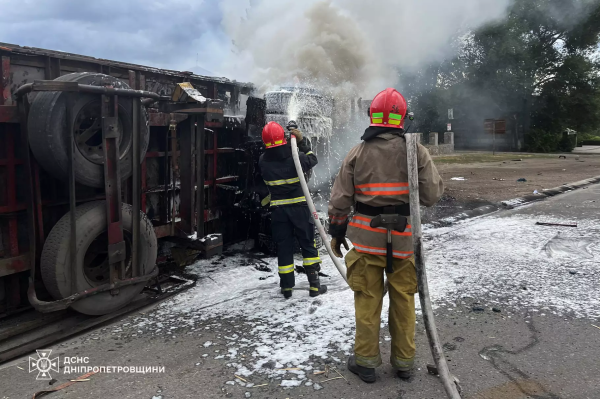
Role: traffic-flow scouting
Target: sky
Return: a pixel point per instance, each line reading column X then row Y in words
column 347, row 45
column 166, row 34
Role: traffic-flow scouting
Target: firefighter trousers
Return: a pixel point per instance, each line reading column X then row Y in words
column 365, row 277
column 287, row 223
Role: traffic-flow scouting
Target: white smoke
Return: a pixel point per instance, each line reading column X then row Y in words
column 349, row 47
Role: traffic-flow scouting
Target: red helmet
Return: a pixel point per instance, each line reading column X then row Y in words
column 388, row 109
column 273, row 135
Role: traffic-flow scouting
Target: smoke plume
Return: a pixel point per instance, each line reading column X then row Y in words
column 349, row 47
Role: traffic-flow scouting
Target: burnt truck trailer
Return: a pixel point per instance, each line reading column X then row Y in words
column 106, row 168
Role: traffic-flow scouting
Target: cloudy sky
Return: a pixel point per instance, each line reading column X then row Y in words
column 161, row 33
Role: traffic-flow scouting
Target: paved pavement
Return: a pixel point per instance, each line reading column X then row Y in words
column 587, row 149
column 531, row 346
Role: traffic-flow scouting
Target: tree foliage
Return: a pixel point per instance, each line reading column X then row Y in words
column 538, row 63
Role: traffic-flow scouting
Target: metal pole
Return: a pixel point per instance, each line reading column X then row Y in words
column 72, row 198
column 200, row 158
column 427, row 309
column 494, row 139
column 136, row 183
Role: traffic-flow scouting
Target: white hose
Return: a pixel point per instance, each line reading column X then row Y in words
column 341, row 268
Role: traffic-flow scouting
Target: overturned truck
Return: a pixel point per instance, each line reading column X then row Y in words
column 106, row 169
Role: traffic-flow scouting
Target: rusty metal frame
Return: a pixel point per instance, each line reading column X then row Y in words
column 116, row 248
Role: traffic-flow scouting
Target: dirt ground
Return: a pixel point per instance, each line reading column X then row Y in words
column 491, row 179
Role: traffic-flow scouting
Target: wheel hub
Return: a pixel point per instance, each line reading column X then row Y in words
column 95, row 263
column 88, row 132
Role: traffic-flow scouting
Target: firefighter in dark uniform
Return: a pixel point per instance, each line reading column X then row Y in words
column 290, row 216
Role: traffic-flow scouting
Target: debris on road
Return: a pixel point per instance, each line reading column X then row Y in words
column 557, row 224
column 240, row 378
column 63, row 386
column 562, row 156
column 331, row 379
column 495, row 178
column 431, row 369
column 497, row 310
column 522, row 179
column 517, row 160
column 458, row 178
column 596, row 326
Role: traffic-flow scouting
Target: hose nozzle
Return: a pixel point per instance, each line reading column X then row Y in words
column 292, row 125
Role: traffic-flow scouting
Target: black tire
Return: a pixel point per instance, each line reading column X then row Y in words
column 55, row 262
column 48, row 135
column 312, row 104
column 310, row 126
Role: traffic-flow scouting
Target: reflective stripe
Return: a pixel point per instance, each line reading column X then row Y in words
column 382, row 251
column 394, row 122
column 282, row 182
column 365, row 224
column 311, row 261
column 377, row 121
column 377, row 115
column 267, row 144
column 278, row 142
column 308, row 153
column 395, row 116
column 314, row 289
column 286, row 269
column 382, row 189
column 287, row 289
column 288, row 201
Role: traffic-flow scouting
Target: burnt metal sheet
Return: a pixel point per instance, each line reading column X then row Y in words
column 14, row 265
column 33, row 51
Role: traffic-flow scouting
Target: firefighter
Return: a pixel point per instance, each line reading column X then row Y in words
column 290, row 216
column 373, row 180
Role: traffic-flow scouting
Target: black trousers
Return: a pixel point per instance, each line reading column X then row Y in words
column 287, row 223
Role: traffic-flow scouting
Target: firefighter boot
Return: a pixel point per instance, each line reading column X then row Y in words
column 366, row 374
column 316, row 289
column 287, row 292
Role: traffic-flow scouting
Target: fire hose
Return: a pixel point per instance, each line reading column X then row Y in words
column 448, row 380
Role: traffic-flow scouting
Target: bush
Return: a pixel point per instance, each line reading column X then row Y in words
column 566, row 144
column 539, row 140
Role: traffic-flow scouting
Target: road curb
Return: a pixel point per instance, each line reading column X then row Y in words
column 514, row 203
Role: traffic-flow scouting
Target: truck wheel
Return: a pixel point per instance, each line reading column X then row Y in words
column 48, row 135
column 92, row 258
column 309, row 104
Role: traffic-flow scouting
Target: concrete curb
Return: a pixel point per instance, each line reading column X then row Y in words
column 514, row 203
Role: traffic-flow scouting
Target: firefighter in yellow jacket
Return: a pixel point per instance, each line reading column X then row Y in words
column 373, row 180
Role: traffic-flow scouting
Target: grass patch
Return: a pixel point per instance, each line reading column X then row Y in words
column 486, row 157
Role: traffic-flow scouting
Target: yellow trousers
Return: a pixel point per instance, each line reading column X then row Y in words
column 365, row 276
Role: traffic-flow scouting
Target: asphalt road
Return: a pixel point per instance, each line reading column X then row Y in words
column 510, row 353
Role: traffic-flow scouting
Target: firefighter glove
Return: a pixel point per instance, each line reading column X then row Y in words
column 298, row 134
column 336, row 246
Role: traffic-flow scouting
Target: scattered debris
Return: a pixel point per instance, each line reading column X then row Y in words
column 262, row 268
column 522, row 179
column 20, row 368
column 497, row 310
column 52, row 381
column 596, row 326
column 257, row 386
column 495, row 178
column 240, row 378
column 572, row 271
column 340, row 374
column 478, row 309
column 432, row 369
column 62, row 386
column 536, row 192
column 458, row 178
column 289, row 369
column 562, row 156
column 318, row 372
column 517, row 160
column 80, row 380
column 331, row 379
column 557, row 224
